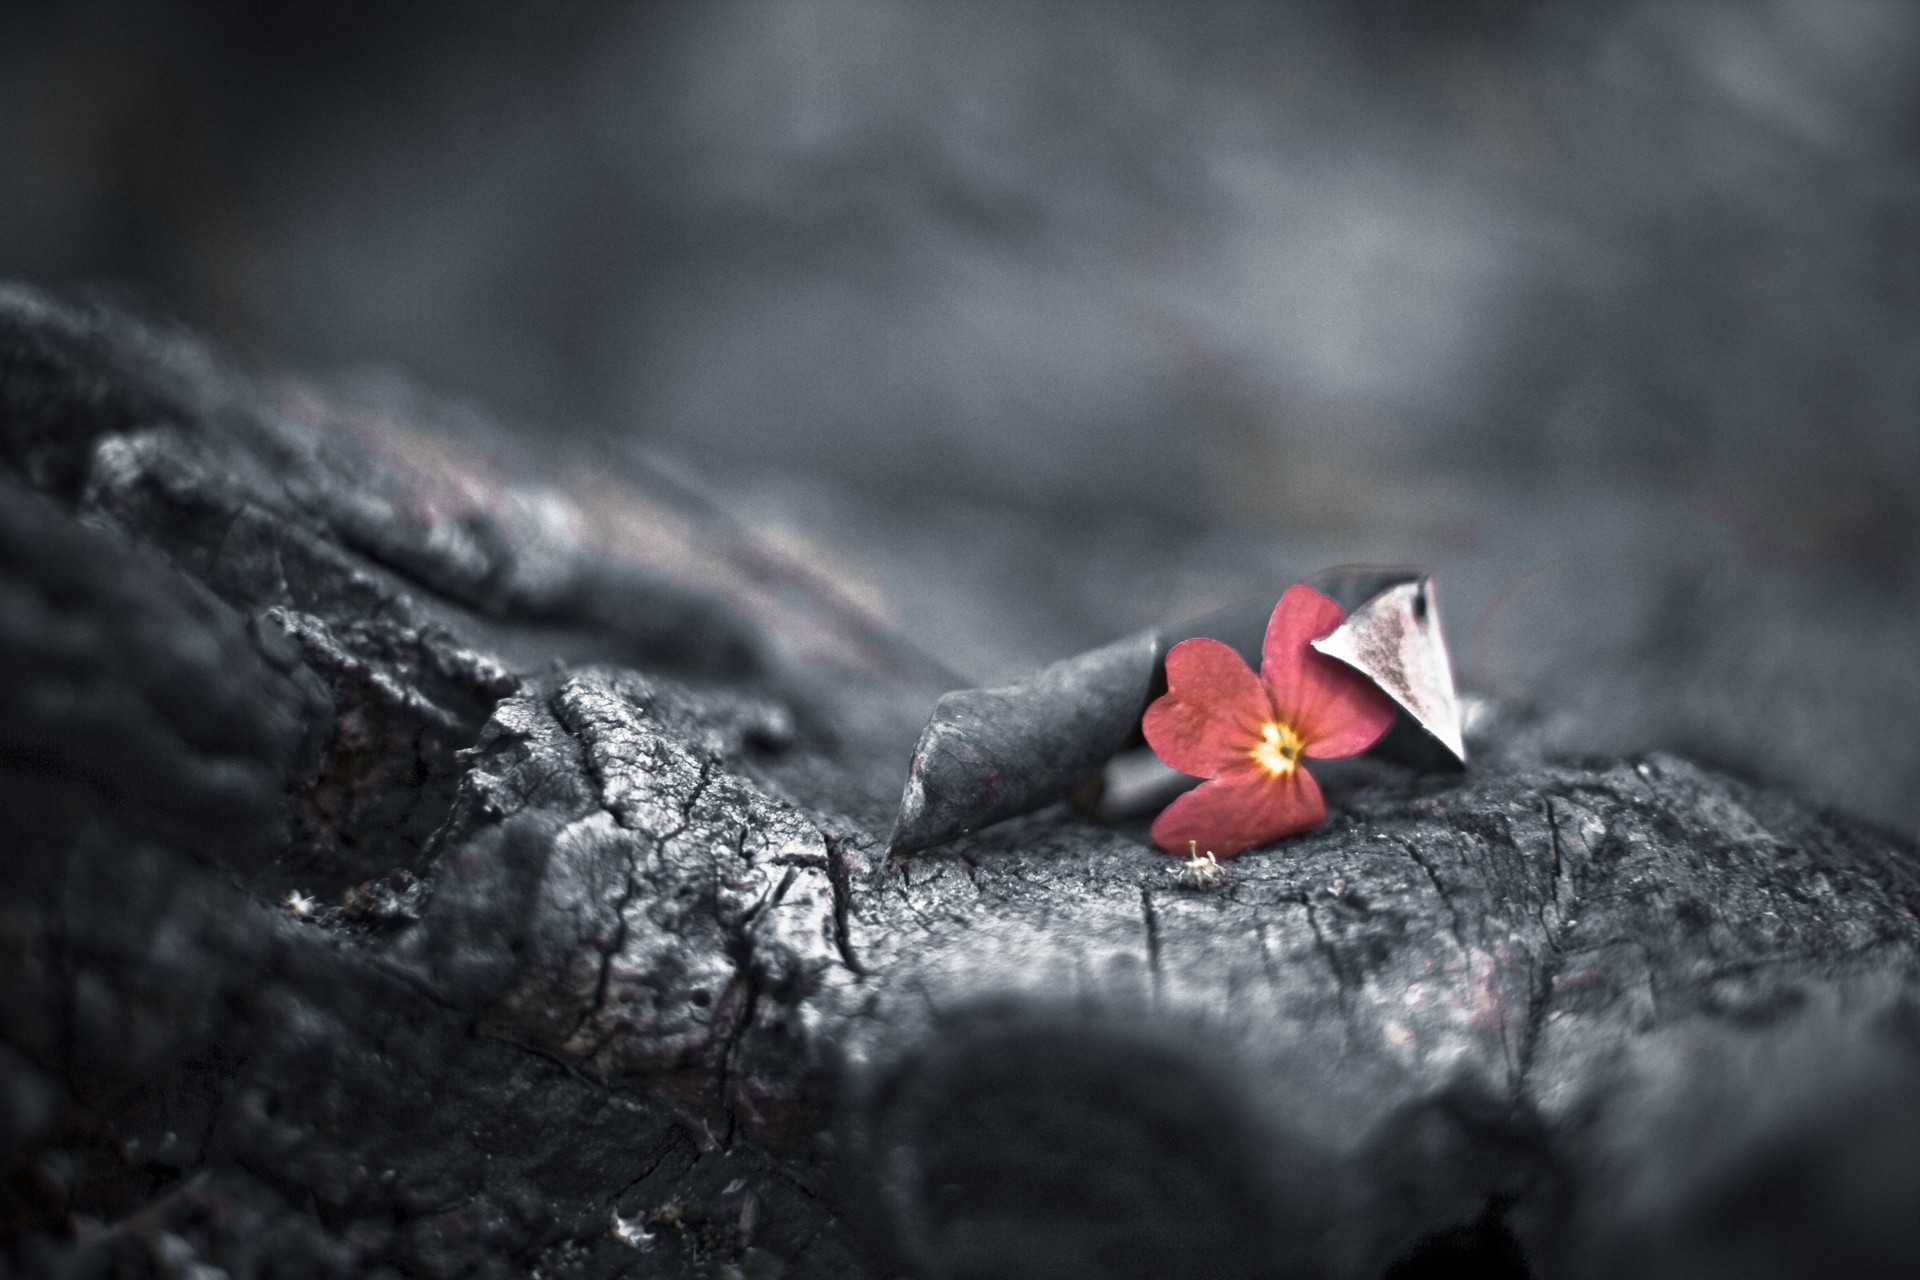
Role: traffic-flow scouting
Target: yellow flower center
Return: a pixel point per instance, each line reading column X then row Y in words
column 1278, row 750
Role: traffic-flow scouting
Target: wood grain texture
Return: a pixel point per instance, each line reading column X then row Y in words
column 378, row 903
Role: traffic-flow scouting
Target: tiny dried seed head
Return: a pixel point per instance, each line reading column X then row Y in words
column 1200, row 871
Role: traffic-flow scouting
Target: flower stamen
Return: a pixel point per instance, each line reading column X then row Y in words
column 1278, row 751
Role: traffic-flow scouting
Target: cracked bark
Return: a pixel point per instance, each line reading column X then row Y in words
column 607, row 972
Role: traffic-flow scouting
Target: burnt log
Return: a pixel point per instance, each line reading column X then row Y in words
column 424, row 863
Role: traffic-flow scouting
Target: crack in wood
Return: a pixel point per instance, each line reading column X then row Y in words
column 840, row 880
column 1151, row 918
column 1541, row 980
column 1440, row 890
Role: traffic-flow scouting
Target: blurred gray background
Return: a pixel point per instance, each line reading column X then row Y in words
column 1035, row 322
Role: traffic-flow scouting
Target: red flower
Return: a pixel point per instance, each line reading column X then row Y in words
column 1247, row 733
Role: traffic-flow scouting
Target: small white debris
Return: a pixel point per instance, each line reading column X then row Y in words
column 299, row 903
column 630, row 1232
column 749, row 1215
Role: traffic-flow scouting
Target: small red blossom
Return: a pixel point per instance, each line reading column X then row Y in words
column 1247, row 734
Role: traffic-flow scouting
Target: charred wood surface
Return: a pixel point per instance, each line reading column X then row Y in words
column 404, row 875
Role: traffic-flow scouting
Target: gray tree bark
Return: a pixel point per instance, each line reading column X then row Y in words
column 417, row 864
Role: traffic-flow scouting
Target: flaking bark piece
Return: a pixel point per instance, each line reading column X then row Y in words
column 1395, row 640
column 989, row 754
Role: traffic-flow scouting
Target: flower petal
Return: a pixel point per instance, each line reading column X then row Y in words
column 1338, row 711
column 1210, row 716
column 1239, row 810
